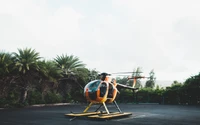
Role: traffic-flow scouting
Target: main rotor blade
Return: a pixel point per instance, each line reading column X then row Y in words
column 122, row 75
column 125, row 72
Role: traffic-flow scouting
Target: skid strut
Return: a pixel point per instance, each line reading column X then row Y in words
column 98, row 107
column 106, row 108
column 117, row 106
column 86, row 109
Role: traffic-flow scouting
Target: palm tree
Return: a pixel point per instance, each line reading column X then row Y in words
column 5, row 63
column 26, row 64
column 69, row 64
column 49, row 76
column 6, row 78
column 71, row 68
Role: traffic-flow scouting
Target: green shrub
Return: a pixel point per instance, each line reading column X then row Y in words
column 35, row 97
column 52, row 97
column 3, row 102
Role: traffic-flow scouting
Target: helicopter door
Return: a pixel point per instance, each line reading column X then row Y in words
column 103, row 89
column 110, row 91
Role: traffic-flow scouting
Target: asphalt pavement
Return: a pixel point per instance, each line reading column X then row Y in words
column 142, row 114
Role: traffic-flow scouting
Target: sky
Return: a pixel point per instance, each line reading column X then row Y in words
column 108, row 35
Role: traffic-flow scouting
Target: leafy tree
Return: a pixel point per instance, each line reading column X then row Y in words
column 121, row 80
column 191, row 89
column 175, row 83
column 93, row 74
column 173, row 94
column 151, row 82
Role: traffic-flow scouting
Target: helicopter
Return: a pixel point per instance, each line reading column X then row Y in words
column 103, row 91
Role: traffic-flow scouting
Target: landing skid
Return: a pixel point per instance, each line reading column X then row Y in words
column 110, row 116
column 98, row 115
column 105, row 115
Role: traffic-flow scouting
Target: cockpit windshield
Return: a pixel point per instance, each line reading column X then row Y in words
column 92, row 86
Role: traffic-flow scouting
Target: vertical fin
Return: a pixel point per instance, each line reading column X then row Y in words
column 134, row 82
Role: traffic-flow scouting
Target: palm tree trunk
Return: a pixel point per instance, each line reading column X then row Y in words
column 23, row 95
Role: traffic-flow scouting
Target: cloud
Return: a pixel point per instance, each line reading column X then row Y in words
column 112, row 36
column 172, row 28
column 34, row 24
